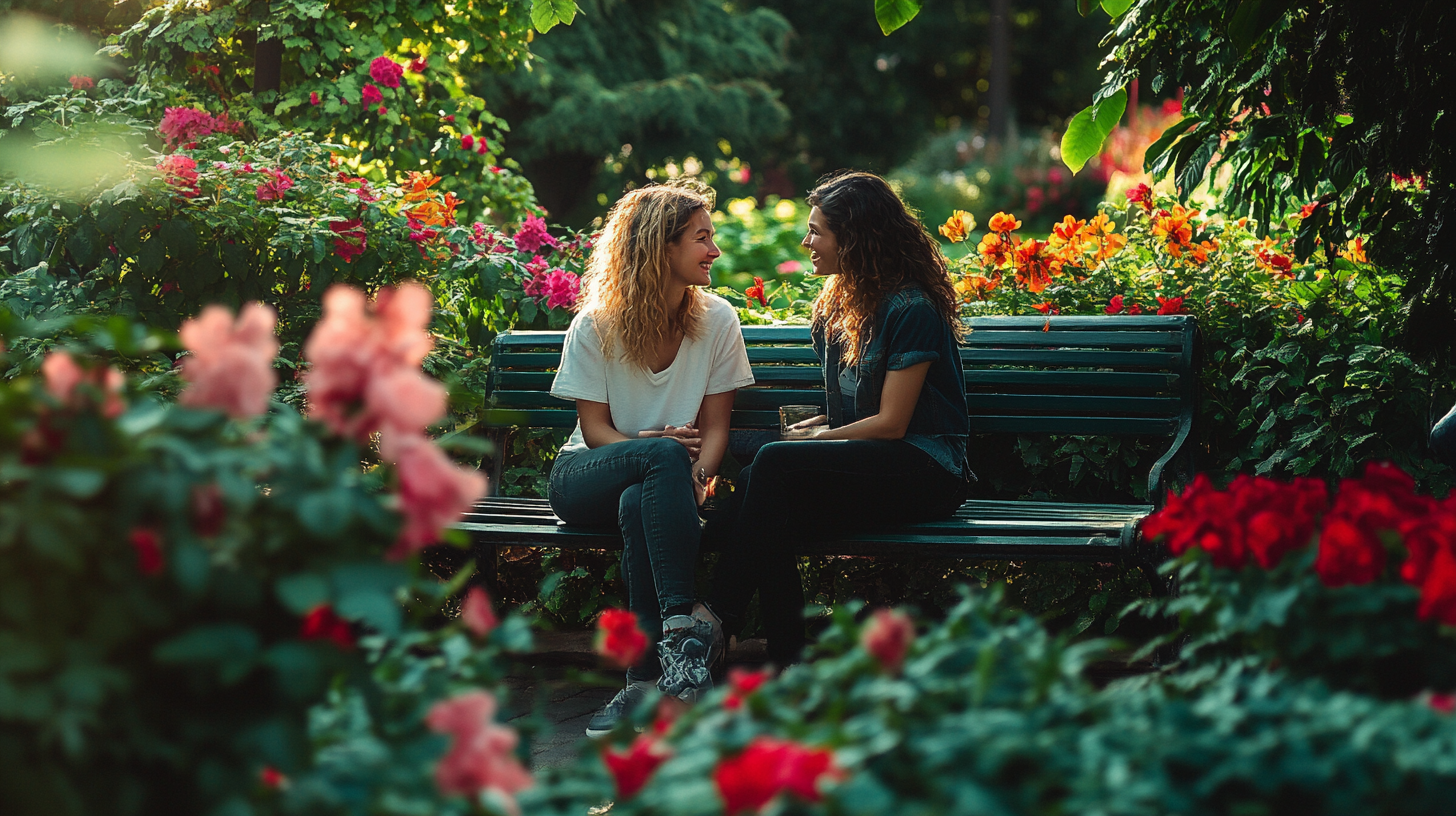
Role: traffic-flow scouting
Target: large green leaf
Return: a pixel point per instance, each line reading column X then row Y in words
column 1084, row 7
column 1116, row 8
column 891, row 14
column 1082, row 141
column 546, row 14
column 1109, row 111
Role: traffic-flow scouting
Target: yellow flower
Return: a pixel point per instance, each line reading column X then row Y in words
column 958, row 227
column 1003, row 223
column 1354, row 252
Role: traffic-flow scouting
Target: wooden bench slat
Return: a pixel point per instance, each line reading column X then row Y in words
column 1081, row 339
column 1060, row 381
column 1074, row 425
column 1071, row 404
column 1079, row 358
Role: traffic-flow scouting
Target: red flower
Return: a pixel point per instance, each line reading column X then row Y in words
column 1142, row 195
column 741, row 684
column 1382, row 499
column 382, row 110
column 1438, row 592
column 1348, row 554
column 755, row 292
column 313, row 98
column 324, row 624
column 350, row 239
column 1441, row 703
column 482, row 147
column 1308, row 209
column 1253, row 516
column 888, row 637
column 768, row 767
column 1135, row 309
column 273, row 189
column 418, row 66
column 371, row 95
column 467, row 142
column 1171, row 306
column 148, row 546
column 82, row 83
column 386, row 72
column 476, row 612
column 208, row 511
column 1046, row 308
column 619, row 640
column 272, row 778
column 1114, row 306
column 482, row 755
column 632, row 768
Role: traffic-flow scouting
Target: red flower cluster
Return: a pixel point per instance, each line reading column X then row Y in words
column 533, row 235
column 1254, row 516
column 148, row 546
column 619, row 640
column 181, row 172
column 323, row 623
column 741, row 684
column 350, row 239
column 755, row 292
column 1171, row 306
column 82, row 83
column 632, row 768
column 769, row 767
column 1115, row 306
column 370, row 95
column 386, row 72
column 1141, row 195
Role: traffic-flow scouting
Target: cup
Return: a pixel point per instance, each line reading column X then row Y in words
column 793, row 414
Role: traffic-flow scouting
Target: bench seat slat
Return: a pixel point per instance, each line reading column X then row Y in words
column 1081, row 339
column 1081, row 358
column 1072, row 403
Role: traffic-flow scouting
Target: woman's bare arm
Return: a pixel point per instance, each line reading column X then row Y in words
column 897, row 405
column 596, row 424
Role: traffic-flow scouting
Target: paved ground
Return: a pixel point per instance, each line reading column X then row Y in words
column 557, row 675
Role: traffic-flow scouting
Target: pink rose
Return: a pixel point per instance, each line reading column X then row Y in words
column 434, row 492
column 386, row 72
column 888, row 637
column 467, row 142
column 230, row 367
column 350, row 239
column 533, row 235
column 273, row 189
column 476, row 613
column 561, row 289
column 371, row 95
column 62, row 376
column 482, row 754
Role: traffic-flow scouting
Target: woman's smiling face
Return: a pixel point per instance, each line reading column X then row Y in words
column 823, row 247
column 690, row 258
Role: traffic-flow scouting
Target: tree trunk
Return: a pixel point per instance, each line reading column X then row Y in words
column 267, row 65
column 1000, row 79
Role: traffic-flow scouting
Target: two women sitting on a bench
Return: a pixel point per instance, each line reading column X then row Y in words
column 653, row 363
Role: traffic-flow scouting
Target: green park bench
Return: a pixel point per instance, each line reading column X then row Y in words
column 1084, row 376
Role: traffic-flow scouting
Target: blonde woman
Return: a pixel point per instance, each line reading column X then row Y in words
column 652, row 362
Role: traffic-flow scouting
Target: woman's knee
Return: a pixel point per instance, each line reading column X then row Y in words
column 629, row 508
column 664, row 452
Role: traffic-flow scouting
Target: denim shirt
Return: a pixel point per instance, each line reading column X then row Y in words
column 908, row 330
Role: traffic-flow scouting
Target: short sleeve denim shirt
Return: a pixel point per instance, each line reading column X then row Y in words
column 908, row 330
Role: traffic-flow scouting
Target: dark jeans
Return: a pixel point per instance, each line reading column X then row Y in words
column 645, row 487
column 1443, row 439
column 811, row 490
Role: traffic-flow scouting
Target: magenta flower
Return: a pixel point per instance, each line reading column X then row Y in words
column 467, row 142
column 533, row 235
column 187, row 125
column 386, row 72
column 371, row 95
column 181, row 172
column 313, row 98
column 561, row 288
column 350, row 239
column 275, row 187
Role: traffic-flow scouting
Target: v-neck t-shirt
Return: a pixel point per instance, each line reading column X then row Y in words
column 714, row 362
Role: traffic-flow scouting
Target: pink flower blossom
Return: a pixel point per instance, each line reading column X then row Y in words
column 365, row 363
column 789, row 267
column 371, row 95
column 476, row 612
column 313, row 98
column 181, row 172
column 186, row 125
column 482, row 147
column 467, row 142
column 888, row 637
column 82, row 83
column 350, row 239
column 231, row 363
column 434, row 492
column 386, row 72
column 561, row 289
column 533, row 235
column 62, row 375
column 482, row 754
column 273, row 189
column 148, row 547
column 382, row 110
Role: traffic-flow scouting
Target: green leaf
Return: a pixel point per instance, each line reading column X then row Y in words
column 80, row 483
column 1108, row 112
column 545, row 14
column 376, row 609
column 892, row 14
column 1084, row 7
column 326, row 513
column 1116, row 8
column 208, row 644
column 302, row 592
column 1082, row 141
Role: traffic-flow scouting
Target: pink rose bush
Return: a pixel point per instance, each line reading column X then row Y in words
column 78, row 389
column 482, row 755
column 365, row 377
column 184, row 126
column 533, row 235
column 273, row 189
column 180, row 171
column 230, row 367
column 386, row 72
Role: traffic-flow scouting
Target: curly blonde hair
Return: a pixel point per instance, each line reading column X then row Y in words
column 882, row 248
column 625, row 283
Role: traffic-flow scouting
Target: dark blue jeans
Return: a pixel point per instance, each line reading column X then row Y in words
column 808, row 490
column 1443, row 439
column 644, row 486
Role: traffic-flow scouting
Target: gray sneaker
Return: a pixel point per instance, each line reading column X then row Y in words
column 718, row 645
column 684, row 651
column 620, row 706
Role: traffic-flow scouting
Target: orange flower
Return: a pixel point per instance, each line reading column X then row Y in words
column 1033, row 266
column 994, row 249
column 1003, row 223
column 755, row 292
column 1274, row 263
column 436, row 213
column 418, row 185
column 1174, row 228
column 958, row 227
column 1354, row 252
column 1198, row 253
column 975, row 287
column 1069, row 233
column 1047, row 308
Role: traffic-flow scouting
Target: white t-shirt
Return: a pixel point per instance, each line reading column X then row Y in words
column 713, row 363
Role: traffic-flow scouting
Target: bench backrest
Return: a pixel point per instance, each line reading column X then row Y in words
column 1078, row 375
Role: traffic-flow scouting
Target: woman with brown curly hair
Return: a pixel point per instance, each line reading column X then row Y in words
column 652, row 362
column 893, row 450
